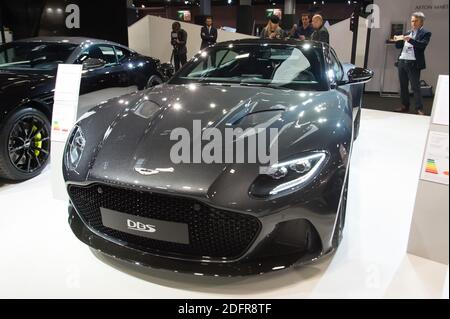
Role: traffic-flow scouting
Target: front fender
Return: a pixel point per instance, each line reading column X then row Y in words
column 96, row 125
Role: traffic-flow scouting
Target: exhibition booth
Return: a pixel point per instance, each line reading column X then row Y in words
column 258, row 170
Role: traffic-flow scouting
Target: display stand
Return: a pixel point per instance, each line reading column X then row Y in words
column 64, row 115
column 429, row 234
column 387, row 46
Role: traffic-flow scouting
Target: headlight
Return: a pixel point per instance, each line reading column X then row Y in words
column 75, row 148
column 287, row 176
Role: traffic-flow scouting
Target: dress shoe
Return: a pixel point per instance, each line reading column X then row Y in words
column 402, row 110
column 420, row 112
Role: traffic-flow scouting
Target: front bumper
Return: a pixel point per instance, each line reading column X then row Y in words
column 251, row 264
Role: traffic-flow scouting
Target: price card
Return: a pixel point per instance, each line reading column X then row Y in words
column 65, row 106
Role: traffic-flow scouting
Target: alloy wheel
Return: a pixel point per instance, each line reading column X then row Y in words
column 29, row 144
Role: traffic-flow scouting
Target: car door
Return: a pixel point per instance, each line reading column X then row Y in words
column 102, row 83
column 336, row 75
column 355, row 91
column 97, row 78
column 124, row 68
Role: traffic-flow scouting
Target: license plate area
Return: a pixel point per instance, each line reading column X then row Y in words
column 145, row 227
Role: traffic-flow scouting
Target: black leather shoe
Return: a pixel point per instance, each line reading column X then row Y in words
column 402, row 110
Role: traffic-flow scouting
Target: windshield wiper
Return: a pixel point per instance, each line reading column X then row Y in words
column 272, row 86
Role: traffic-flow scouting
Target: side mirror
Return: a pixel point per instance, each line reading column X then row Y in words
column 359, row 75
column 90, row 64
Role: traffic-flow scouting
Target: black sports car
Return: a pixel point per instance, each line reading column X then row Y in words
column 132, row 198
column 27, row 82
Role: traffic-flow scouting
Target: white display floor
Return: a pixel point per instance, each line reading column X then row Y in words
column 41, row 258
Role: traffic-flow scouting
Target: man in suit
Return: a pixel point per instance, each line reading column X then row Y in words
column 320, row 32
column 178, row 39
column 412, row 61
column 208, row 34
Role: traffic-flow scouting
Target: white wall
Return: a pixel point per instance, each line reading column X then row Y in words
column 437, row 53
column 151, row 36
column 139, row 36
column 341, row 39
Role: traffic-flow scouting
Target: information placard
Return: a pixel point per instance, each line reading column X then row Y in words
column 429, row 232
column 436, row 161
column 65, row 107
column 441, row 107
column 67, row 90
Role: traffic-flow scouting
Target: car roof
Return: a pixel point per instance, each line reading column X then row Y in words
column 70, row 40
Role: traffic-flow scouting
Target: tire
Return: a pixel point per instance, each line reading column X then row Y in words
column 340, row 223
column 24, row 144
column 152, row 81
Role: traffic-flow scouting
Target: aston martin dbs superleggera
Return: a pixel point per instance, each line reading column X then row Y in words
column 130, row 199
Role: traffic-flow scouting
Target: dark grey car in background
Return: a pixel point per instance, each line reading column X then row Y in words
column 27, row 82
column 129, row 200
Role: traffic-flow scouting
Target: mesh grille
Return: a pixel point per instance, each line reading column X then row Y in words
column 213, row 233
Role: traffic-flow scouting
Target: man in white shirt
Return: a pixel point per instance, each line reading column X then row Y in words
column 412, row 61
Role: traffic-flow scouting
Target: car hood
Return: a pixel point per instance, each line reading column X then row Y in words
column 134, row 146
column 22, row 82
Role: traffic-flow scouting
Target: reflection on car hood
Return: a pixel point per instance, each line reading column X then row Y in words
column 12, row 82
column 135, row 149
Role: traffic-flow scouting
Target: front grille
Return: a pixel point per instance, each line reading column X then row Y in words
column 213, row 233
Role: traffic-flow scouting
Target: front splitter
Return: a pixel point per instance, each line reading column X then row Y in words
column 243, row 267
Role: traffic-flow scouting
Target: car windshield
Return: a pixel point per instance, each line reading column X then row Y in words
column 34, row 56
column 298, row 67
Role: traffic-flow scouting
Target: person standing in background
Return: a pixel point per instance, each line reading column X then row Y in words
column 304, row 31
column 273, row 30
column 320, row 32
column 208, row 34
column 412, row 61
column 178, row 40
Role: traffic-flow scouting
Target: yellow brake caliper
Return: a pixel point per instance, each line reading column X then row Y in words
column 37, row 141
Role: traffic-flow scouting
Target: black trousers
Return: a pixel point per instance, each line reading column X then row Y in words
column 408, row 73
column 179, row 59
